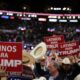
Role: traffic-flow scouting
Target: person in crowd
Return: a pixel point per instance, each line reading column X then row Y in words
column 54, row 73
column 27, row 74
column 41, row 68
column 69, row 70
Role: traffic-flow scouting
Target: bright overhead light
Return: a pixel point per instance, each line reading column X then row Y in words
column 73, row 20
column 24, row 15
column 64, row 8
column 1, row 13
column 69, row 17
column 68, row 9
column 55, row 8
column 78, row 17
column 51, row 8
column 51, row 29
column 52, row 20
column 33, row 15
column 29, row 15
column 77, row 30
column 52, row 16
column 59, row 17
column 4, row 17
column 74, row 17
column 62, row 20
column 59, row 8
column 63, row 17
column 25, row 18
column 41, row 19
column 10, row 14
column 24, row 7
column 19, row 14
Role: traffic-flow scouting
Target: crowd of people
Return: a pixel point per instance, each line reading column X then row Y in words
column 57, row 68
column 51, row 67
column 32, row 32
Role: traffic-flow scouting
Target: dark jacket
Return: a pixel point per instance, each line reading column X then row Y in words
column 40, row 72
column 59, row 77
column 71, row 73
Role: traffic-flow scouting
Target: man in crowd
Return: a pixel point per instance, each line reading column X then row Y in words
column 53, row 68
column 69, row 70
column 41, row 68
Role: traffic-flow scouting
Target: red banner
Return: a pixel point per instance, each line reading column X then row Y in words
column 53, row 41
column 69, row 48
column 11, row 56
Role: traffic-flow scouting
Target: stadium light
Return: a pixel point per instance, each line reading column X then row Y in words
column 74, row 17
column 52, row 20
column 5, row 17
column 51, row 8
column 59, row 17
column 10, row 14
column 1, row 13
column 62, row 20
column 25, row 18
column 63, row 17
column 68, row 9
column 19, row 14
column 52, row 16
column 42, row 19
column 69, row 17
column 73, row 20
column 57, row 9
column 78, row 17
column 64, row 8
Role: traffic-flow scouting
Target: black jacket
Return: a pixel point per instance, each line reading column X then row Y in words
column 71, row 73
column 40, row 72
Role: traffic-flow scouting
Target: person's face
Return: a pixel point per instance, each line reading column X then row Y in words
column 52, row 68
column 42, row 62
column 66, row 66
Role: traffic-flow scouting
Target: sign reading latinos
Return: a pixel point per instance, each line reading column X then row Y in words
column 11, row 56
column 53, row 41
column 69, row 48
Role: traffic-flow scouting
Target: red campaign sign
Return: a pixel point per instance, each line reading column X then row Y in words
column 53, row 41
column 79, row 45
column 11, row 56
column 68, row 48
column 53, row 46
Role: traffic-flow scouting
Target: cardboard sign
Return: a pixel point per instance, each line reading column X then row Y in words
column 53, row 41
column 69, row 48
column 11, row 56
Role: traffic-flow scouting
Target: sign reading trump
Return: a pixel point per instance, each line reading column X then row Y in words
column 11, row 56
column 69, row 48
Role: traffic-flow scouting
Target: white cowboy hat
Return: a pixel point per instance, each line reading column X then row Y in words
column 66, row 61
column 77, row 77
column 27, row 59
column 39, row 51
column 3, row 78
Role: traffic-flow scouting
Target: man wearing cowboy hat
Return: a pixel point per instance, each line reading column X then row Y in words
column 40, row 67
column 27, row 73
column 39, row 53
column 68, row 70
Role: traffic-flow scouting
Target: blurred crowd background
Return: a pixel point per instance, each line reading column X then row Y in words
column 32, row 32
